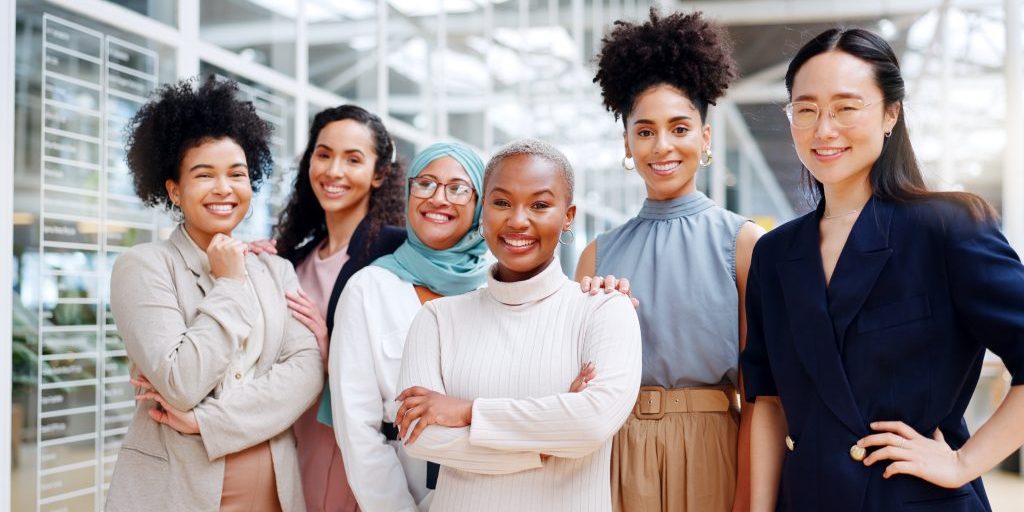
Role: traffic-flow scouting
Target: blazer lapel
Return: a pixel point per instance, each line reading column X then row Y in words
column 272, row 304
column 194, row 259
column 862, row 260
column 811, row 326
column 358, row 257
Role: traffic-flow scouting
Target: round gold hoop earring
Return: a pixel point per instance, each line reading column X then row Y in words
column 627, row 160
column 706, row 162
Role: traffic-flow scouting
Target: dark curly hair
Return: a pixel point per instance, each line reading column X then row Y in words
column 181, row 117
column 302, row 224
column 684, row 51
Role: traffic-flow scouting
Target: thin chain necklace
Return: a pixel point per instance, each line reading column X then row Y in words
column 851, row 212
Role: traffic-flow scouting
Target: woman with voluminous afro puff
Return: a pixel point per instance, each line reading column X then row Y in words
column 685, row 51
column 684, row 448
column 219, row 367
column 183, row 117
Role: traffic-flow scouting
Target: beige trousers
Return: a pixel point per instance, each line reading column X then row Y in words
column 683, row 462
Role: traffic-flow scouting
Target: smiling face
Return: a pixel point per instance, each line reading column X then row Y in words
column 665, row 138
column 838, row 156
column 437, row 222
column 341, row 169
column 212, row 190
column 526, row 208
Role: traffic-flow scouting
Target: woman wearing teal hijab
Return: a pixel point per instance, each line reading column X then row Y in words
column 443, row 255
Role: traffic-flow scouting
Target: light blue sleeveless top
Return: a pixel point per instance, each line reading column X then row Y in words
column 680, row 258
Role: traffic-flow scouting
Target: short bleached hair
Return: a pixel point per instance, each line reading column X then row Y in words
column 534, row 147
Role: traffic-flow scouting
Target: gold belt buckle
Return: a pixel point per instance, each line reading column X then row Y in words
column 652, row 399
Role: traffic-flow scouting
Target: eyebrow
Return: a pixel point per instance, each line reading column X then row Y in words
column 538, row 193
column 842, row 95
column 675, row 119
column 328, row 148
column 208, row 166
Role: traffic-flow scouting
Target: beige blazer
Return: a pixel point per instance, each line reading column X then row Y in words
column 180, row 328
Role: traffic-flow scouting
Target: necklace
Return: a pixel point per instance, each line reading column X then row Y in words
column 851, row 212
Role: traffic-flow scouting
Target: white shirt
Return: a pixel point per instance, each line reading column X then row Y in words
column 371, row 322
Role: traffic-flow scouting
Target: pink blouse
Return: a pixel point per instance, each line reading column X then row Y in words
column 323, row 475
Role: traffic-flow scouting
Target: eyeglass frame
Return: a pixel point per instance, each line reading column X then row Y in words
column 442, row 186
column 788, row 109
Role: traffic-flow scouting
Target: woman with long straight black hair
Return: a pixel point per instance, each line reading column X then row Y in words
column 868, row 318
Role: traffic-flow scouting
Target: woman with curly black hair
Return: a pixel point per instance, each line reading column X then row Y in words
column 342, row 215
column 686, row 260
column 221, row 370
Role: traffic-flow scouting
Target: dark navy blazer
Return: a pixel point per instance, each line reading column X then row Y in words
column 919, row 291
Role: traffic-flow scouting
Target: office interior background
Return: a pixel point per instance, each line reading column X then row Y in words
column 480, row 71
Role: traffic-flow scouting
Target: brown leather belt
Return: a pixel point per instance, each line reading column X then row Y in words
column 654, row 402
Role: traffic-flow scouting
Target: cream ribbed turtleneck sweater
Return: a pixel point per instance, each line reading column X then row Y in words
column 514, row 349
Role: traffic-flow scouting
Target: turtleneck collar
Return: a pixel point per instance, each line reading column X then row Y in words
column 538, row 287
column 682, row 206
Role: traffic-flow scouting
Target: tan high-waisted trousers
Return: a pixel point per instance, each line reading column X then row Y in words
column 249, row 481
column 681, row 462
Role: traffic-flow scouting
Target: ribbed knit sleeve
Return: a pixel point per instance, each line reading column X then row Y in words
column 572, row 424
column 421, row 366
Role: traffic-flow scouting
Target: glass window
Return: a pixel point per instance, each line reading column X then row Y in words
column 342, row 37
column 164, row 11
column 78, row 82
column 260, row 31
column 411, row 41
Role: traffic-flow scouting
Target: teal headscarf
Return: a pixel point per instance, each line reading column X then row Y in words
column 453, row 271
column 460, row 268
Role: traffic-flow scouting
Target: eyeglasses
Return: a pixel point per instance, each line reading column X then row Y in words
column 846, row 113
column 456, row 192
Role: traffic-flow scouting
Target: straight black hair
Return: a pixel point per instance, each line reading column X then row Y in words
column 895, row 175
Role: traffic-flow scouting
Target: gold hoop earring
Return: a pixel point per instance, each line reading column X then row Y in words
column 627, row 160
column 706, row 162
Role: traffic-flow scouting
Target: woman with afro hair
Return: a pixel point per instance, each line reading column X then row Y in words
column 220, row 367
column 342, row 215
column 686, row 259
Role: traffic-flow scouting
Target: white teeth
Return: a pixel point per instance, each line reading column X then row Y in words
column 518, row 243
column 828, row 152
column 335, row 189
column 437, row 216
column 665, row 167
column 222, row 208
